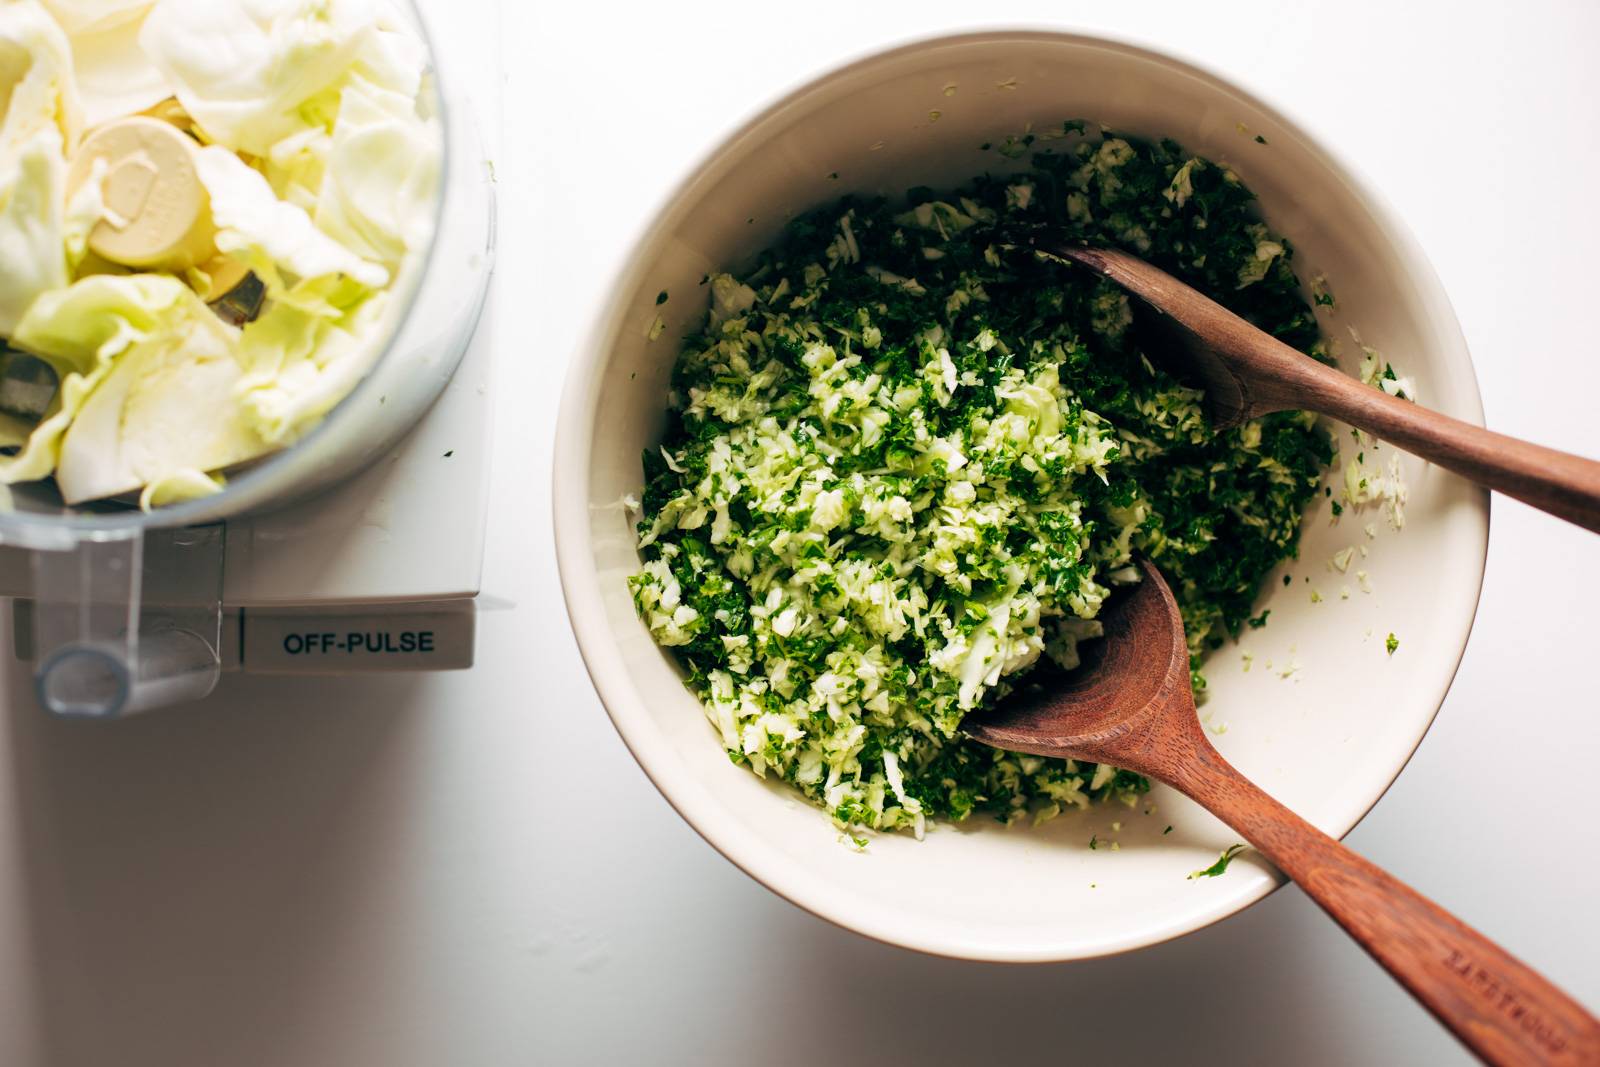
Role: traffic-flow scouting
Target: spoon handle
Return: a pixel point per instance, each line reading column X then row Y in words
column 1500, row 1008
column 1256, row 373
column 1557, row 482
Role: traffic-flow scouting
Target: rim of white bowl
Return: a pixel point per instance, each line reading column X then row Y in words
column 580, row 581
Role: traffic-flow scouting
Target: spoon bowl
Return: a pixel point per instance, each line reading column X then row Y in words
column 1127, row 682
column 1130, row 704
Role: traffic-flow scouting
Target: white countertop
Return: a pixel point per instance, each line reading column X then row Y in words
column 469, row 869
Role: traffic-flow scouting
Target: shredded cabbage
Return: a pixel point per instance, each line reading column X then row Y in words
column 908, row 460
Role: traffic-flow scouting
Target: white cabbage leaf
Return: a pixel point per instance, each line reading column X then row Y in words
column 94, row 16
column 79, row 331
column 115, row 78
column 33, row 250
column 37, row 87
column 382, row 175
column 254, row 72
column 275, row 239
column 40, row 122
column 303, row 358
column 149, row 384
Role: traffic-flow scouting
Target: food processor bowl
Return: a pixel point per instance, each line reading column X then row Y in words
column 127, row 604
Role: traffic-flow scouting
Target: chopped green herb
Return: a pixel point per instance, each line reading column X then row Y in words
column 1167, row 831
column 1258, row 621
column 1391, row 643
column 1221, row 865
column 1094, row 843
column 908, row 460
column 1260, row 139
column 661, row 298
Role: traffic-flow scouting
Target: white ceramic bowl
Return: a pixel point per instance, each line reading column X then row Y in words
column 1328, row 739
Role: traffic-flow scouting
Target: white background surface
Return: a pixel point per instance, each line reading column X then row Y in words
column 470, row 869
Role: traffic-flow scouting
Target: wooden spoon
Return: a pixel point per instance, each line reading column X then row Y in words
column 1247, row 373
column 1130, row 705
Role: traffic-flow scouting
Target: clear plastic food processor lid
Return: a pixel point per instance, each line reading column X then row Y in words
column 215, row 220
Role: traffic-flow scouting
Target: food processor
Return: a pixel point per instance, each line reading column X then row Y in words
column 357, row 548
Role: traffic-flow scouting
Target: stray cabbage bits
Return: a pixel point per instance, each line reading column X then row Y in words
column 208, row 210
column 908, row 459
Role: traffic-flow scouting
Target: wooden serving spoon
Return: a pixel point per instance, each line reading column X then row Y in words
column 1129, row 704
column 1247, row 373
